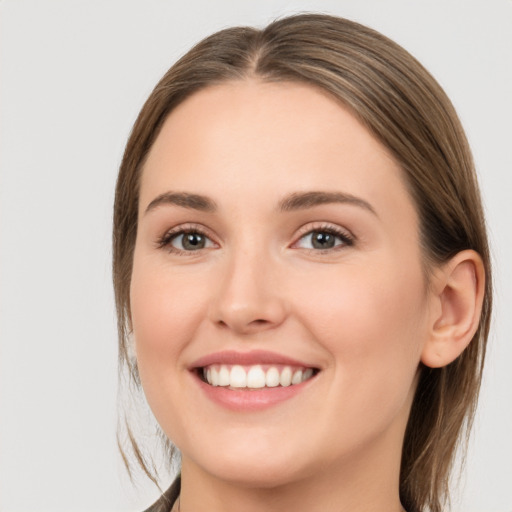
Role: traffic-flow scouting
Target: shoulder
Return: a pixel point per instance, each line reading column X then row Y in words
column 168, row 498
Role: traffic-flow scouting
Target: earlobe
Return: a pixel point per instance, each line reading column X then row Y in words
column 458, row 292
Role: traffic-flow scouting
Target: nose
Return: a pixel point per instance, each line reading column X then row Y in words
column 248, row 298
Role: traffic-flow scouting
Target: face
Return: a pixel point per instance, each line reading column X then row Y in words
column 278, row 301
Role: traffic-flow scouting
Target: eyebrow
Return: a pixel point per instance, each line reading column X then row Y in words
column 292, row 202
column 185, row 200
column 304, row 200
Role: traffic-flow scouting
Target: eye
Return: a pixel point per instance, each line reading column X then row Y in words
column 324, row 239
column 185, row 240
column 189, row 241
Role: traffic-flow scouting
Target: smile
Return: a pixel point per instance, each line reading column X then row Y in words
column 255, row 376
column 251, row 381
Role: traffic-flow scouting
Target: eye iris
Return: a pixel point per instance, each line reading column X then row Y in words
column 193, row 241
column 322, row 240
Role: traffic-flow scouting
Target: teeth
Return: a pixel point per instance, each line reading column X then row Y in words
column 297, row 377
column 286, row 377
column 224, row 377
column 215, row 377
column 306, row 375
column 238, row 377
column 255, row 377
column 272, row 379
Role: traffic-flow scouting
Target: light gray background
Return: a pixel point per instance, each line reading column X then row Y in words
column 73, row 76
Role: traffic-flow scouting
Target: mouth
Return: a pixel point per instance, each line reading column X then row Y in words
column 239, row 377
column 252, row 381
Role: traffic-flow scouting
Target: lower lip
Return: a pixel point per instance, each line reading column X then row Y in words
column 251, row 399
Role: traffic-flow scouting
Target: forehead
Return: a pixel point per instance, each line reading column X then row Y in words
column 267, row 138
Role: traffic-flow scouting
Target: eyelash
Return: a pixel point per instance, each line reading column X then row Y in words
column 166, row 240
column 346, row 238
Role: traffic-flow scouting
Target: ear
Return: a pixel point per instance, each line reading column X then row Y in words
column 458, row 291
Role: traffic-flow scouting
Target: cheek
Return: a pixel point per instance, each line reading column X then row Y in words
column 371, row 320
column 165, row 314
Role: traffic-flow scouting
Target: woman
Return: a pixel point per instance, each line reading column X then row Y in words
column 300, row 259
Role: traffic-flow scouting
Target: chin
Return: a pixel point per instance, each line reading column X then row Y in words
column 265, row 469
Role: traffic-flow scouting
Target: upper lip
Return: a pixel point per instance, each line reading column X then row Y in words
column 232, row 357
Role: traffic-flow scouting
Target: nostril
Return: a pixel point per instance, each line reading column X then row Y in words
column 260, row 322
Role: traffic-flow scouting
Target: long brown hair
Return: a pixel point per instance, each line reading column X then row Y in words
column 404, row 107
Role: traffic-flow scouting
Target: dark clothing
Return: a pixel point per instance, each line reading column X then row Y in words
column 168, row 498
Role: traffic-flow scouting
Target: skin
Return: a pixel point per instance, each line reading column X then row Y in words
column 362, row 313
